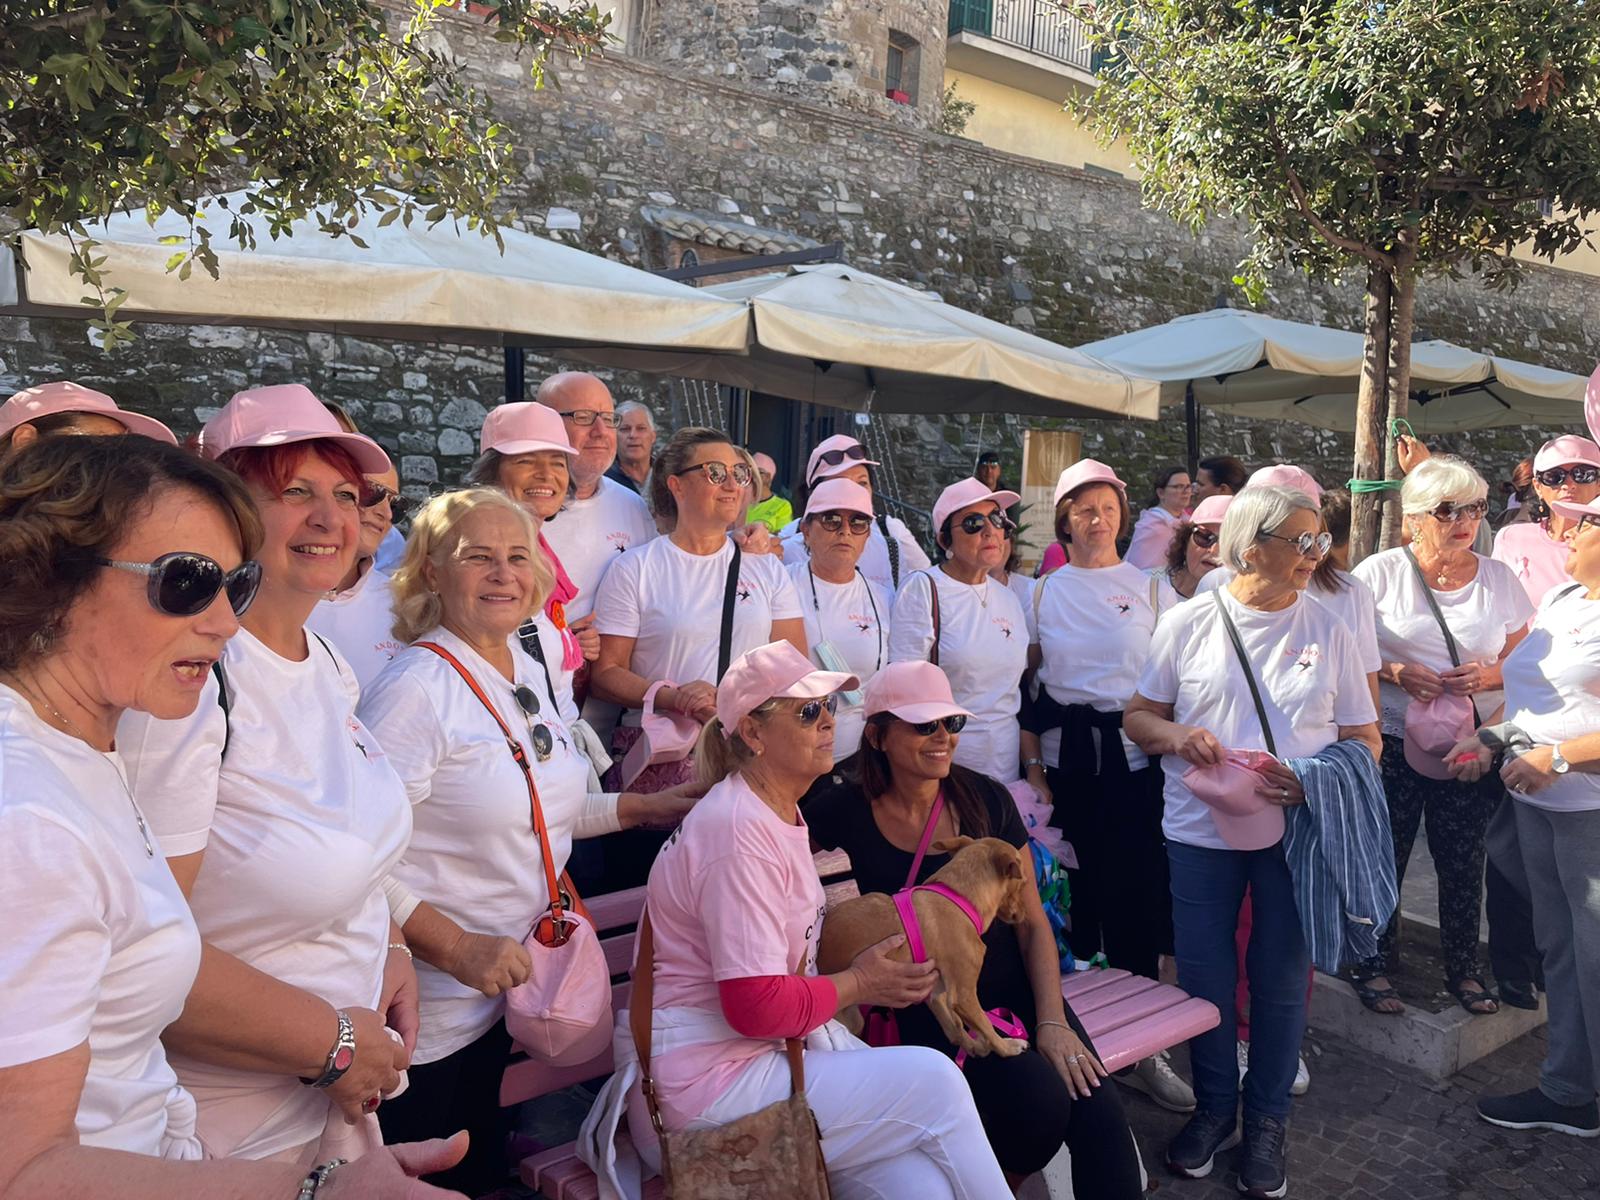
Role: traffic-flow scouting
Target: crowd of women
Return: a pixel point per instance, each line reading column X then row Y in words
column 287, row 801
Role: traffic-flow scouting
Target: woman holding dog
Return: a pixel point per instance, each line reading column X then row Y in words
column 1051, row 1094
column 1195, row 706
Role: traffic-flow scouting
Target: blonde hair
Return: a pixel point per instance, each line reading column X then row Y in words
column 434, row 539
column 717, row 755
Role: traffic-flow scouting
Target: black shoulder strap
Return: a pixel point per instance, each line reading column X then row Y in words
column 933, row 601
column 528, row 635
column 1433, row 605
column 725, row 645
column 1249, row 674
column 225, row 703
column 325, row 645
column 894, row 550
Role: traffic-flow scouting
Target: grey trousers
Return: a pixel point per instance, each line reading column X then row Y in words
column 1562, row 853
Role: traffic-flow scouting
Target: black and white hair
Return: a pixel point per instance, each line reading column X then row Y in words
column 628, row 406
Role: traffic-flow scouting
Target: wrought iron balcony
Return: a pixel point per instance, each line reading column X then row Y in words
column 1037, row 25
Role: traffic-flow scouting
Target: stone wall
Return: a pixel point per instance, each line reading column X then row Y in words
column 1068, row 254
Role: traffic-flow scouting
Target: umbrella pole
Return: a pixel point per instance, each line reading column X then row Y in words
column 516, row 378
column 1191, row 422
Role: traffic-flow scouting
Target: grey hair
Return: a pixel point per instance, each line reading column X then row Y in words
column 1253, row 512
column 628, row 406
column 1435, row 480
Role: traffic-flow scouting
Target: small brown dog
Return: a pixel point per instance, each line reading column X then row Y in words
column 991, row 875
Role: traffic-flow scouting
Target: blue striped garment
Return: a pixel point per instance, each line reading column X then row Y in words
column 1341, row 855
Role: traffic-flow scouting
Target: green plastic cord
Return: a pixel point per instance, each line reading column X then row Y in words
column 1384, row 485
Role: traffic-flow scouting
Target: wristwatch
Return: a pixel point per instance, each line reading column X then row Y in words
column 1032, row 762
column 340, row 1057
column 1558, row 764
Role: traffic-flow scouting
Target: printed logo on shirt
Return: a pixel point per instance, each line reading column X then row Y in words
column 1306, row 658
column 1003, row 624
column 1122, row 602
column 362, row 739
column 743, row 591
column 619, row 540
column 863, row 622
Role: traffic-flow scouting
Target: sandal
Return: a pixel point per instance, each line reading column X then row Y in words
column 1371, row 997
column 1518, row 995
column 1480, row 1003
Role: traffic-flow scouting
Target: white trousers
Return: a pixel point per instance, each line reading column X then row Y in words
column 897, row 1122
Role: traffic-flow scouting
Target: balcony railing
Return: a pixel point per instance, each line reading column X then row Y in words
column 1037, row 25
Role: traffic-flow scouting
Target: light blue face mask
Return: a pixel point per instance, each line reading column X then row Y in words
column 829, row 659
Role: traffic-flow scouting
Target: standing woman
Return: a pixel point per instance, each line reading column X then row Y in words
column 846, row 616
column 1566, row 470
column 1193, row 706
column 973, row 627
column 271, row 783
column 1194, row 553
column 1158, row 524
column 1439, row 583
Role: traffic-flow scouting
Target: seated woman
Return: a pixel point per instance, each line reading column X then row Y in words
column 734, row 904
column 1051, row 1094
column 127, row 567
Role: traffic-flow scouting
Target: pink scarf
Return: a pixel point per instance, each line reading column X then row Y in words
column 555, row 609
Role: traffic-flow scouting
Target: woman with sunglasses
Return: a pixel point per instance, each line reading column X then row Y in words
column 846, row 615
column 126, row 572
column 281, row 819
column 1566, row 469
column 472, row 882
column 734, row 910
column 958, row 617
column 1194, row 706
column 1051, row 1094
column 1158, row 523
column 357, row 615
column 660, row 616
column 1194, row 554
column 1486, row 609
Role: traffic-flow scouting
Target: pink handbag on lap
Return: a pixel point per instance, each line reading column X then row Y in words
column 663, row 737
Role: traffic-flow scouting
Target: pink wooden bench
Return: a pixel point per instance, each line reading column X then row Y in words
column 1128, row 1017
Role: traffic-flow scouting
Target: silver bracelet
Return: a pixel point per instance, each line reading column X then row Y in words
column 404, row 949
column 318, row 1177
column 1038, row 1025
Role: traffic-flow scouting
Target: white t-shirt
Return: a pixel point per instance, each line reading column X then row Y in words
column 1553, row 689
column 589, row 535
column 360, row 622
column 1152, row 538
column 1093, row 634
column 99, row 946
column 670, row 602
column 1353, row 603
column 473, row 853
column 983, row 649
column 853, row 618
column 874, row 564
column 1306, row 664
column 301, row 820
column 1481, row 615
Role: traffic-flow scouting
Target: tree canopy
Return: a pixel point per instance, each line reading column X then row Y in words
column 328, row 108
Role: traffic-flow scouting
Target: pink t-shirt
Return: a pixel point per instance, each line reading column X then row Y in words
column 734, row 893
column 1537, row 559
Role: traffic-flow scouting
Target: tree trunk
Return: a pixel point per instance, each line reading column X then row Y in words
column 1372, row 408
column 1403, row 296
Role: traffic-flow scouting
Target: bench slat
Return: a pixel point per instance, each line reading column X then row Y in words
column 615, row 909
column 1075, row 984
column 1113, row 993
column 1126, row 1046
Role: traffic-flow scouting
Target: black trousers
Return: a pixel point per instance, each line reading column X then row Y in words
column 1513, row 954
column 459, row 1091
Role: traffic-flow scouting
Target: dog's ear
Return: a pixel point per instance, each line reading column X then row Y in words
column 1011, row 862
column 951, row 844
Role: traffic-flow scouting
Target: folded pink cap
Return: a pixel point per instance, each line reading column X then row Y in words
column 1564, row 450
column 833, row 494
column 281, row 415
column 1243, row 816
column 776, row 671
column 1211, row 510
column 1085, row 471
column 817, row 469
column 522, row 427
column 1286, row 475
column 1432, row 729
column 64, row 396
column 764, row 462
column 964, row 494
column 913, row 691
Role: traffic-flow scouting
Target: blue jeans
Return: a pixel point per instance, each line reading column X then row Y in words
column 1207, row 890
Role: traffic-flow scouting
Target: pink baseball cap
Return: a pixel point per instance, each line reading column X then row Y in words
column 279, row 416
column 776, row 671
column 522, row 427
column 833, row 494
column 1576, row 511
column 841, row 446
column 1211, row 510
column 1232, row 790
column 1286, row 475
column 64, row 396
column 1432, row 729
column 1086, row 471
column 961, row 495
column 764, row 462
column 913, row 691
column 1568, row 448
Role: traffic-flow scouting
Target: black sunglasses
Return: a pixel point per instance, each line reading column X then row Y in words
column 375, row 494
column 1450, row 512
column 832, row 458
column 811, row 711
column 952, row 725
column 1206, row 538
column 835, row 521
column 183, row 584
column 1556, row 476
column 974, row 522
column 528, row 702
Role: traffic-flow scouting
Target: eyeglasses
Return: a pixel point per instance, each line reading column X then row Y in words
column 952, row 725
column 1450, row 512
column 1310, row 545
column 585, row 417
column 528, row 702
column 832, row 458
column 184, row 584
column 717, row 473
column 1556, row 476
column 974, row 522
column 1205, row 538
column 376, row 493
column 1177, row 487
column 833, row 522
column 811, row 711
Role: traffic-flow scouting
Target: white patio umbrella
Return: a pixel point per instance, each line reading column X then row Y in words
column 832, row 334
column 438, row 284
column 1258, row 366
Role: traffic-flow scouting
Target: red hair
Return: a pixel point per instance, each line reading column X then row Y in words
column 273, row 467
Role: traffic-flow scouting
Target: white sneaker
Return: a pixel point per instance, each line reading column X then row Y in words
column 1302, row 1076
column 1244, row 1061
column 1155, row 1077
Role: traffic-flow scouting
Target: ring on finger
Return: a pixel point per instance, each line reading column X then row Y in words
column 370, row 1104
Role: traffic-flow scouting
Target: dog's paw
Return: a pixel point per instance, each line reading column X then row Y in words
column 973, row 1047
column 1011, row 1047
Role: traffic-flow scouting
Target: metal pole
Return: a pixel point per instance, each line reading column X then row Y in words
column 516, row 379
column 1191, row 421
